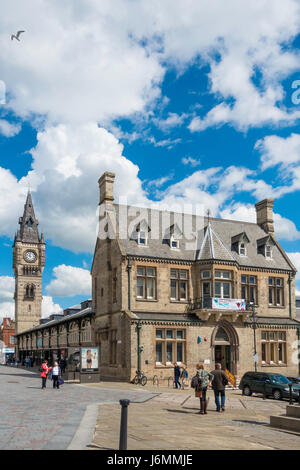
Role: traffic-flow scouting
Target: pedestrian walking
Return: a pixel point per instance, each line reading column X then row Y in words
column 62, row 365
column 27, row 362
column 219, row 383
column 204, row 379
column 56, row 374
column 44, row 373
column 184, row 377
column 176, row 375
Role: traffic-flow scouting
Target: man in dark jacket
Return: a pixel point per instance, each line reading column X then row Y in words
column 218, row 385
column 177, row 375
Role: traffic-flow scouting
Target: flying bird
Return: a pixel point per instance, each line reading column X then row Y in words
column 16, row 36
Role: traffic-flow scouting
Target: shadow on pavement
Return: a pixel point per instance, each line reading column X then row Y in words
column 246, row 421
column 181, row 411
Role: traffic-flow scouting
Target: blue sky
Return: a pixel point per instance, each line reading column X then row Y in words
column 193, row 106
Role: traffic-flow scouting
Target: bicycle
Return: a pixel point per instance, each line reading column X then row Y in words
column 140, row 378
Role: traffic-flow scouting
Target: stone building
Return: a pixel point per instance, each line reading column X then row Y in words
column 28, row 265
column 214, row 292
column 7, row 331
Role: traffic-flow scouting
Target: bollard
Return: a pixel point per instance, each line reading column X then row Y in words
column 291, row 394
column 265, row 391
column 123, row 426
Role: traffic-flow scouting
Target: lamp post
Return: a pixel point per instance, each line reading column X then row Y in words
column 254, row 327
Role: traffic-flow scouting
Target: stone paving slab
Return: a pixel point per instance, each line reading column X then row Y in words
column 157, row 426
column 32, row 418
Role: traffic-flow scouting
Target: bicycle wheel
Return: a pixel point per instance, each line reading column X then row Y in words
column 136, row 380
column 144, row 380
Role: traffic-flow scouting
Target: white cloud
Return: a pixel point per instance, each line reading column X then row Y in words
column 173, row 120
column 70, row 281
column 9, row 130
column 190, row 161
column 7, row 304
column 94, row 61
column 285, row 229
column 277, row 150
column 295, row 259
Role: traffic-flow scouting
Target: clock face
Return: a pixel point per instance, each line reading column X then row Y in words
column 30, row 256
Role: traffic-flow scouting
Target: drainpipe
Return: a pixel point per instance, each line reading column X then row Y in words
column 138, row 329
column 129, row 266
column 290, row 295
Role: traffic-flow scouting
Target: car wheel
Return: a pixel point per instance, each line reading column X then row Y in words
column 277, row 395
column 247, row 391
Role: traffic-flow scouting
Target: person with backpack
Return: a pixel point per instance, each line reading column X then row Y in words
column 219, row 383
column 56, row 374
column 44, row 369
column 204, row 380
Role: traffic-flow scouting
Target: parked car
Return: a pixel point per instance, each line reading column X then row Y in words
column 277, row 385
column 294, row 380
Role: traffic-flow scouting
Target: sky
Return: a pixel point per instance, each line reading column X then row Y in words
column 186, row 102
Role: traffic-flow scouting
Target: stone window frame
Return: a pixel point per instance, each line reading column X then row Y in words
column 146, row 276
column 271, row 343
column 164, row 340
column 276, row 288
column 222, row 280
column 248, row 285
column 178, row 279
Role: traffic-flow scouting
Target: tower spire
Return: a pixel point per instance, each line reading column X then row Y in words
column 28, row 223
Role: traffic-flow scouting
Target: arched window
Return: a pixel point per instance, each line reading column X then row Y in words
column 221, row 335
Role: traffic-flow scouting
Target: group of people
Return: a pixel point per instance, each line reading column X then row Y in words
column 180, row 373
column 203, row 379
column 54, row 373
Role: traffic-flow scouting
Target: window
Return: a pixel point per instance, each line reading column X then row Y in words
column 170, row 346
column 268, row 251
column 179, row 284
column 174, row 242
column 223, row 289
column 146, row 282
column 205, row 274
column 142, row 238
column 276, row 297
column 249, row 288
column 242, row 249
column 273, row 347
column 114, row 285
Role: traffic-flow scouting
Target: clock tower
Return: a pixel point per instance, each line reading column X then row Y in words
column 28, row 265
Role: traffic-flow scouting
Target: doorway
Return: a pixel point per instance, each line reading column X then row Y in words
column 223, row 355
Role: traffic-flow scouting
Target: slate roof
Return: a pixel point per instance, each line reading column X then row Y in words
column 28, row 231
column 275, row 321
column 165, row 317
column 67, row 318
column 212, row 241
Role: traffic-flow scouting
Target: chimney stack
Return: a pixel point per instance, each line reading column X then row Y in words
column 106, row 186
column 264, row 215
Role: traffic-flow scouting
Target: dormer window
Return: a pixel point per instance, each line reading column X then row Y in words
column 142, row 238
column 265, row 246
column 141, row 233
column 239, row 243
column 174, row 243
column 242, row 249
column 268, row 251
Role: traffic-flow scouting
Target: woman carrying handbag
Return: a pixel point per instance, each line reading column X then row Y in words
column 204, row 380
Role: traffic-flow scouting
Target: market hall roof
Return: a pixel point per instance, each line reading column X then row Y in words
column 212, row 241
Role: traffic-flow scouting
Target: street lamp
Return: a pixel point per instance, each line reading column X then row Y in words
column 254, row 327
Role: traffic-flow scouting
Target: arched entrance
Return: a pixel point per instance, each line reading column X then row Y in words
column 225, row 346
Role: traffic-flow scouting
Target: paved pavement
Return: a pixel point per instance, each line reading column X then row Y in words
column 170, row 421
column 31, row 418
